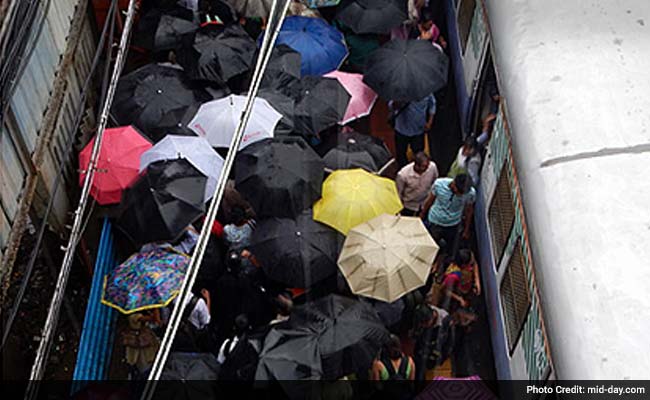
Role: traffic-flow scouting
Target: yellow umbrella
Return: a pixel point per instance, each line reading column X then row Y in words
column 387, row 257
column 354, row 196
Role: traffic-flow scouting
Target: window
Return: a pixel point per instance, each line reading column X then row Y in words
column 465, row 15
column 501, row 215
column 515, row 296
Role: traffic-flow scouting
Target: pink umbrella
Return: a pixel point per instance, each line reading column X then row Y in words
column 362, row 97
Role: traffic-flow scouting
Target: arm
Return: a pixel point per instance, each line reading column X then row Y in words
column 206, row 296
column 477, row 280
column 412, row 365
column 458, row 298
column 427, row 205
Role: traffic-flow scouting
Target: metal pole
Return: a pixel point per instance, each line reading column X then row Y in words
column 45, row 344
column 185, row 292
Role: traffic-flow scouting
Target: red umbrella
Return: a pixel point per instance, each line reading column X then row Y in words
column 118, row 163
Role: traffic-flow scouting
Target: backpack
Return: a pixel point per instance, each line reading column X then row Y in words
column 398, row 386
column 400, row 374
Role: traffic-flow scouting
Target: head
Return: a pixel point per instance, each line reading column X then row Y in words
column 238, row 215
column 393, row 347
column 464, row 257
column 426, row 20
column 421, row 163
column 470, row 146
column 241, row 324
column 423, row 317
column 461, row 184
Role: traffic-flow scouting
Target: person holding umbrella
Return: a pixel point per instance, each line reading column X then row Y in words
column 412, row 120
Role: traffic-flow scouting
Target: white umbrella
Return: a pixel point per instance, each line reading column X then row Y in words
column 196, row 150
column 217, row 121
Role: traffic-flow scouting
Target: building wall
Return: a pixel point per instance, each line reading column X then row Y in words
column 21, row 134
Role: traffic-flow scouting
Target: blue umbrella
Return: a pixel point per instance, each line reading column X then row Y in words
column 321, row 46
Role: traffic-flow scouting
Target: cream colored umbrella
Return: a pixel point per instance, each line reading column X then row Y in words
column 387, row 257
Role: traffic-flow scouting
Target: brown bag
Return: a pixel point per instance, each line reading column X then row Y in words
column 138, row 339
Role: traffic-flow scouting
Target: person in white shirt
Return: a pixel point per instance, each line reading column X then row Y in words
column 414, row 182
column 242, row 326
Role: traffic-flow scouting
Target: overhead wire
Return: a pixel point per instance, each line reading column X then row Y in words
column 69, row 147
column 276, row 18
column 51, row 321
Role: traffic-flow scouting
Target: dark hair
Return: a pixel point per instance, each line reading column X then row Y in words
column 463, row 257
column 421, row 158
column 472, row 143
column 241, row 324
column 462, row 182
column 425, row 16
column 393, row 347
column 238, row 215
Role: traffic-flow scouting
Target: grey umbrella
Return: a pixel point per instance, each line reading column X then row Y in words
column 252, row 8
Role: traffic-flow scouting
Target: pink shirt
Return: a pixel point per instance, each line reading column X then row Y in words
column 413, row 188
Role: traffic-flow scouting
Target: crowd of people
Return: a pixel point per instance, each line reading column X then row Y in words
column 234, row 305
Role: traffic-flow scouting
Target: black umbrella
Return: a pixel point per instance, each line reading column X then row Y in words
column 359, row 148
column 283, row 68
column 163, row 202
column 160, row 30
column 339, row 158
column 156, row 98
column 406, row 70
column 280, row 177
column 189, row 376
column 296, row 252
column 372, row 16
column 218, row 56
column 283, row 104
column 344, row 334
column 320, row 104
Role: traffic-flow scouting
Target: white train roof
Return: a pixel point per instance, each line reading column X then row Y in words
column 576, row 78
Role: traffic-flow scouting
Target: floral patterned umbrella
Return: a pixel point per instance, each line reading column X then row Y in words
column 322, row 3
column 148, row 279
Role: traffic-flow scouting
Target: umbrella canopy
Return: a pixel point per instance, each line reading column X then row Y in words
column 352, row 197
column 349, row 149
column 280, row 177
column 160, row 30
column 194, row 149
column 390, row 314
column 340, row 158
column 297, row 252
column 470, row 387
column 252, row 8
column 406, row 70
column 320, row 45
column 163, row 202
column 145, row 280
column 362, row 97
column 218, row 56
column 194, row 376
column 320, row 104
column 285, row 105
column 387, row 257
column 283, row 68
column 217, row 121
column 154, row 98
column 372, row 16
column 117, row 165
column 328, row 338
